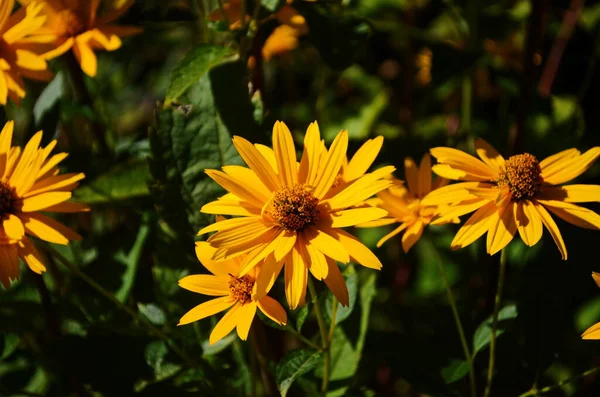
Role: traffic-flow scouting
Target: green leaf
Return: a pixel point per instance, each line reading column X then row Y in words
column 301, row 316
column 11, row 342
column 456, row 370
column 483, row 333
column 294, row 365
column 272, row 5
column 563, row 107
column 155, row 355
column 587, row 314
column 124, row 181
column 48, row 99
column 152, row 313
column 343, row 312
column 195, row 64
column 131, row 262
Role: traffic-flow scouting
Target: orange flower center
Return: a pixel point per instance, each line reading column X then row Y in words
column 241, row 288
column 8, row 199
column 69, row 23
column 295, row 207
column 522, row 175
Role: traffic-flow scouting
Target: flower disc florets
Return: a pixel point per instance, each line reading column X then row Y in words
column 70, row 22
column 241, row 288
column 522, row 175
column 8, row 199
column 295, row 207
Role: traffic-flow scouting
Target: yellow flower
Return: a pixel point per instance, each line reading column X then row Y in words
column 76, row 25
column 234, row 292
column 514, row 194
column 16, row 56
column 593, row 332
column 404, row 204
column 284, row 212
column 30, row 183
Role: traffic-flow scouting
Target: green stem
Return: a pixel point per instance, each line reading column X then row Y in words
column 324, row 336
column 334, row 309
column 90, row 281
column 534, row 391
column 303, row 338
column 497, row 303
column 222, row 10
column 459, row 328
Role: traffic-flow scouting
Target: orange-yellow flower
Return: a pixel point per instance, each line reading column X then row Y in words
column 233, row 292
column 76, row 25
column 17, row 58
column 30, row 182
column 514, row 194
column 285, row 209
column 593, row 332
column 404, row 204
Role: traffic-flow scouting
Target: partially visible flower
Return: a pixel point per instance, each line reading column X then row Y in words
column 514, row 194
column 593, row 332
column 285, row 208
column 404, row 204
column 233, row 291
column 423, row 62
column 284, row 37
column 77, row 25
column 30, row 182
column 17, row 59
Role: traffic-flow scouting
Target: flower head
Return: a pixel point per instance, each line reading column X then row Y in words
column 77, row 25
column 514, row 194
column 289, row 212
column 593, row 332
column 404, row 204
column 29, row 183
column 18, row 55
column 233, row 292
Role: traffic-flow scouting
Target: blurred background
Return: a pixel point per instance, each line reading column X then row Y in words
column 521, row 74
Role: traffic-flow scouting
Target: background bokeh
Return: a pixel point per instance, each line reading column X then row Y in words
column 421, row 74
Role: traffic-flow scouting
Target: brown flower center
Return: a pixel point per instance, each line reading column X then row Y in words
column 295, row 207
column 70, row 23
column 522, row 175
column 241, row 288
column 8, row 200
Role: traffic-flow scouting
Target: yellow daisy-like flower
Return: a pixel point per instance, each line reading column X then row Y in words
column 234, row 292
column 30, row 183
column 593, row 332
column 514, row 194
column 404, row 204
column 17, row 59
column 284, row 208
column 76, row 25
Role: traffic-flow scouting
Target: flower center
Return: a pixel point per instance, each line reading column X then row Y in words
column 69, row 23
column 295, row 207
column 8, row 200
column 522, row 175
column 241, row 288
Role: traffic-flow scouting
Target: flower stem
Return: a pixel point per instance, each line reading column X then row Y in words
column 324, row 336
column 151, row 328
column 497, row 302
column 459, row 328
column 303, row 338
column 534, row 391
column 334, row 309
column 83, row 96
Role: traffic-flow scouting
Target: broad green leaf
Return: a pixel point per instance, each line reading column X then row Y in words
column 294, row 365
column 195, row 64
column 588, row 314
column 272, row 5
column 483, row 333
column 302, row 315
column 48, row 99
column 124, row 181
column 152, row 313
column 155, row 355
column 222, row 344
column 131, row 261
column 343, row 312
column 10, row 344
column 456, row 370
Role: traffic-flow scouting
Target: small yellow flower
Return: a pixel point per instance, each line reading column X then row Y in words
column 18, row 57
column 404, row 204
column 286, row 210
column 514, row 194
column 234, row 292
column 593, row 332
column 29, row 183
column 76, row 25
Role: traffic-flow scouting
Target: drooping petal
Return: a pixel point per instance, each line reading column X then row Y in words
column 391, row 234
column 592, row 332
column 528, row 223
column 269, row 271
column 355, row 216
column 245, row 316
column 207, row 309
column 317, row 262
column 85, row 56
column 447, row 214
column 326, row 244
column 552, row 228
column 205, row 252
column 30, row 255
column 13, row 227
column 296, row 276
column 288, row 240
column 450, row 194
column 206, row 284
column 359, row 252
column 48, row 229
column 574, row 214
column 502, row 230
column 225, row 325
column 572, row 193
column 9, row 264
column 558, row 160
column 44, row 200
column 412, row 235
column 336, row 283
column 573, row 168
column 273, row 310
column 424, row 176
column 475, row 227
column 596, row 277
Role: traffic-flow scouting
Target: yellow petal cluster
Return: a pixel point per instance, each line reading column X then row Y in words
column 31, row 183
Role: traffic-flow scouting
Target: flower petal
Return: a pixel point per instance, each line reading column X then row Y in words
column 227, row 323
column 245, row 316
column 206, row 284
column 503, row 229
column 273, row 310
column 296, row 276
column 44, row 200
column 331, row 164
column 311, row 156
column 470, row 168
column 336, row 283
column 257, row 163
column 574, row 214
column 363, row 159
column 529, row 223
column 592, row 332
column 552, row 228
column 13, row 227
column 489, row 155
column 454, row 193
column 411, row 174
column 391, row 234
column 206, row 309
column 9, row 264
column 355, row 216
column 30, row 255
column 412, row 235
column 476, row 226
column 360, row 190
column 359, row 252
column 285, row 154
column 326, row 244
column 424, row 176
column 572, row 193
column 572, row 169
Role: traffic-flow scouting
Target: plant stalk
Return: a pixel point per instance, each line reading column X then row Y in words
column 324, row 336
